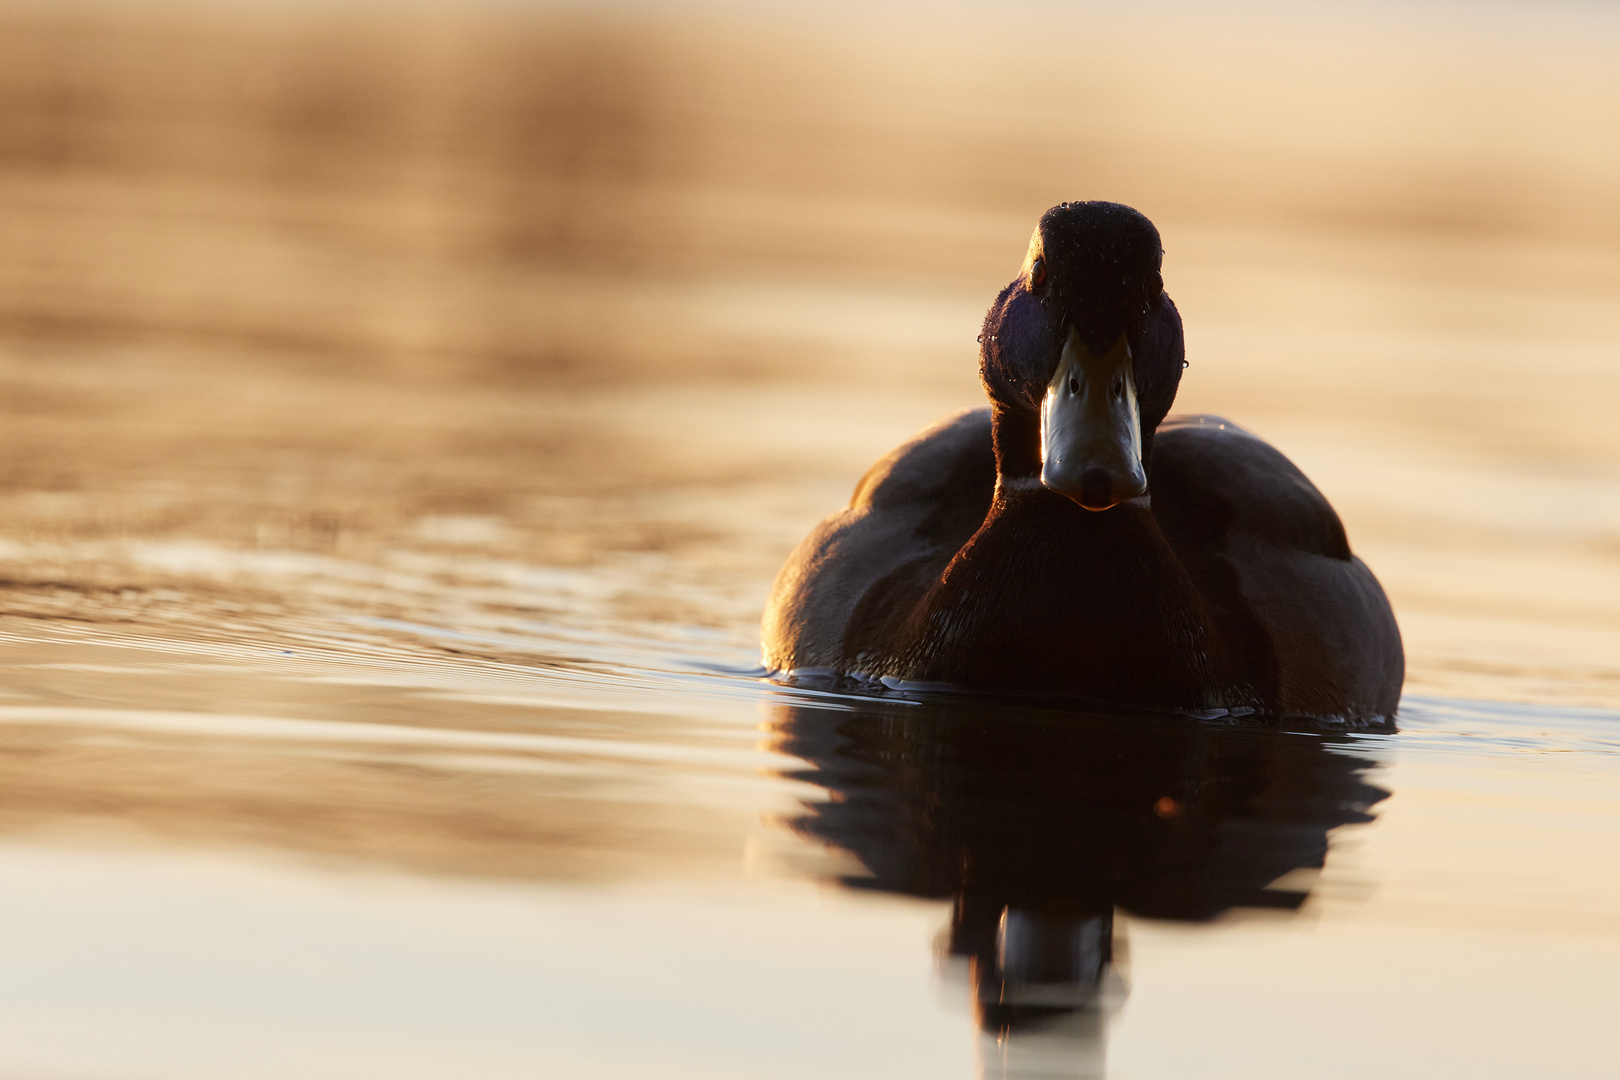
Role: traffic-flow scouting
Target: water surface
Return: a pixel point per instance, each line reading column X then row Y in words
column 399, row 863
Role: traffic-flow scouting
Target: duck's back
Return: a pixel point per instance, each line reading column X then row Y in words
column 848, row 585
column 1303, row 616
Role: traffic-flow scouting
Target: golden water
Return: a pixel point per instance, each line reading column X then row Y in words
column 403, row 412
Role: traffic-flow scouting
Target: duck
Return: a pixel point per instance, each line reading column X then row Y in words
column 1072, row 541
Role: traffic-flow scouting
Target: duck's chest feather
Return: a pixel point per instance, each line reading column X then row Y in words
column 1051, row 598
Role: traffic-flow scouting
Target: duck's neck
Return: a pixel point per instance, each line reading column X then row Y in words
column 1016, row 436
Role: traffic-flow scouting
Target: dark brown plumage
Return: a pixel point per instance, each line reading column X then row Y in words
column 1012, row 550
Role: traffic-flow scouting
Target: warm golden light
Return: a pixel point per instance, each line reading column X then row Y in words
column 404, row 409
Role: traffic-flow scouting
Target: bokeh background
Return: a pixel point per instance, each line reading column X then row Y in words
column 404, row 407
column 468, row 311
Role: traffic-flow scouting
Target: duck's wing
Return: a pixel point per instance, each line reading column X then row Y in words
column 1300, row 612
column 848, row 585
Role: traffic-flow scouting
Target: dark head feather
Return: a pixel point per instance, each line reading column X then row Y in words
column 1101, row 263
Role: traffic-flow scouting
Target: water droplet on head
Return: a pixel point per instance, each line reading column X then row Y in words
column 1186, row 363
column 979, row 339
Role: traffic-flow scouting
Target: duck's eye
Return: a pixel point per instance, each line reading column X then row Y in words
column 1037, row 273
column 1074, row 385
column 1155, row 287
column 1117, row 387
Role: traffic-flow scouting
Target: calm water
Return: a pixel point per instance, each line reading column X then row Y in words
column 401, row 420
column 394, row 863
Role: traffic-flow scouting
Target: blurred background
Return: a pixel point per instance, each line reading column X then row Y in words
column 404, row 408
column 643, row 287
column 289, row 292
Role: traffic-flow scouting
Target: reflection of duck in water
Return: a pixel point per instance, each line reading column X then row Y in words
column 1038, row 825
column 1016, row 548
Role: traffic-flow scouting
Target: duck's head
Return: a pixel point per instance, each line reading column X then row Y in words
column 1081, row 355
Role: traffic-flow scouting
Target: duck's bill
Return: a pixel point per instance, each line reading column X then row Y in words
column 1091, row 434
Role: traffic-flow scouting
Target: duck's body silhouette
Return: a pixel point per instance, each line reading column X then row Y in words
column 1069, row 541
